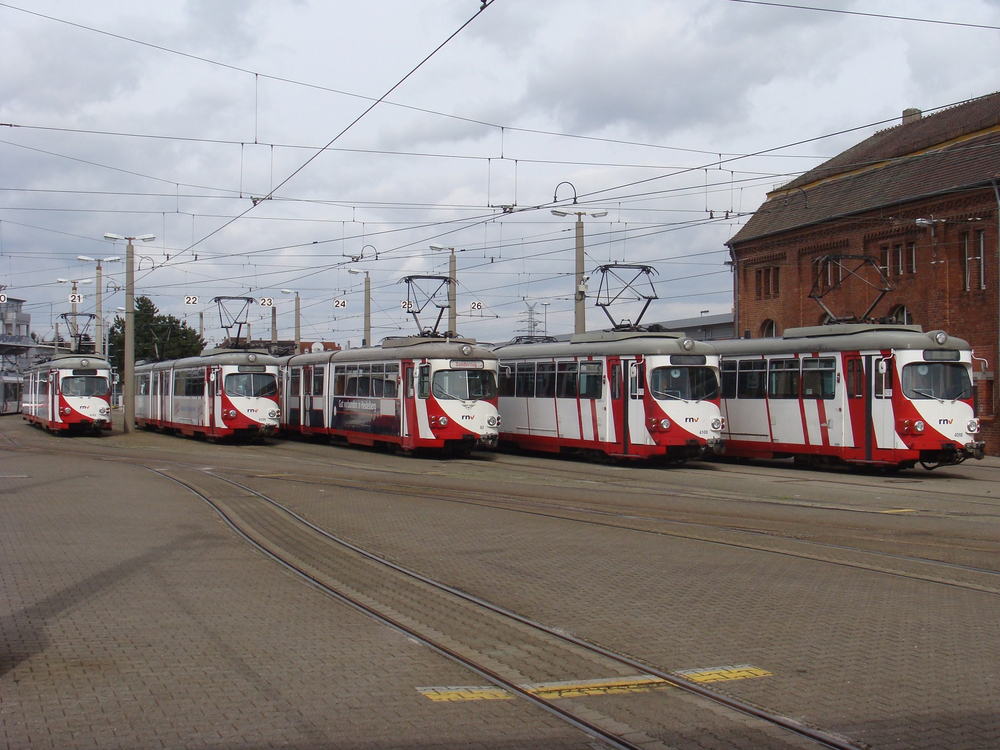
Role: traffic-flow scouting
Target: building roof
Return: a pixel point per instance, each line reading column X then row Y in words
column 954, row 149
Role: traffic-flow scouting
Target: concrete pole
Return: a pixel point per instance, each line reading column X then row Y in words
column 298, row 327
column 580, row 306
column 128, row 384
column 368, row 310
column 452, row 310
column 274, row 324
column 99, row 341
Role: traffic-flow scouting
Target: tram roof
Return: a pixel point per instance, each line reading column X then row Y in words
column 214, row 357
column 402, row 347
column 72, row 362
column 844, row 337
column 602, row 343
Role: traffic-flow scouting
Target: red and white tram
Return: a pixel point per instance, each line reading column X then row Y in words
column 412, row 392
column 71, row 393
column 222, row 393
column 888, row 395
column 625, row 394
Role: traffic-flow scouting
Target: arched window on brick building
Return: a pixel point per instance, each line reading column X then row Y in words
column 901, row 314
column 768, row 329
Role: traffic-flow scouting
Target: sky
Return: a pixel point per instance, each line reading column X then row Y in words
column 279, row 145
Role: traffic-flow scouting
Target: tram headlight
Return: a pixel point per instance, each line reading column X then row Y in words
column 687, row 345
column 919, row 426
column 717, row 423
column 232, row 413
column 492, row 421
column 664, row 424
column 273, row 414
column 941, row 337
column 973, row 426
column 466, row 350
column 65, row 411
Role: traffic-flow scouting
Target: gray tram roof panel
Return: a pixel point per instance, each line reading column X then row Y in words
column 838, row 338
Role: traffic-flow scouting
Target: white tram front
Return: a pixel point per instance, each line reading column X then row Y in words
column 219, row 394
column 626, row 394
column 410, row 392
column 881, row 395
column 70, row 393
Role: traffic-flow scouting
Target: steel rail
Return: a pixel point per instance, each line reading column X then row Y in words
column 823, row 738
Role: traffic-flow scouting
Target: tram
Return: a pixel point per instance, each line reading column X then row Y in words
column 864, row 394
column 420, row 392
column 10, row 392
column 630, row 394
column 69, row 394
column 220, row 394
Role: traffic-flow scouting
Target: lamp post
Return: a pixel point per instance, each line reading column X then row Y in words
column 545, row 318
column 99, row 346
column 368, row 306
column 128, row 374
column 453, row 275
column 298, row 318
column 580, row 296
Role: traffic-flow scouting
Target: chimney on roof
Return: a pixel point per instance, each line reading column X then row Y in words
column 911, row 115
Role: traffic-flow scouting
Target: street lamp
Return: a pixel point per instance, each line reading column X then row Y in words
column 298, row 312
column 128, row 374
column 99, row 346
column 368, row 306
column 545, row 318
column 453, row 275
column 581, row 282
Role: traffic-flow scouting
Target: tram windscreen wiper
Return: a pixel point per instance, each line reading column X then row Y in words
column 926, row 394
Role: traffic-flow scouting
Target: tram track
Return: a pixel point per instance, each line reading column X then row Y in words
column 942, row 572
column 725, row 531
column 505, row 648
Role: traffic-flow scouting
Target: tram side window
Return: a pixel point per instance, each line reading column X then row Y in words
column 566, row 385
column 143, row 389
column 189, row 383
column 616, row 381
column 339, row 382
column 505, row 379
column 389, row 390
column 294, row 383
column 751, row 377
column 364, row 380
column 524, row 386
column 545, row 380
column 855, row 379
column 378, row 380
column 591, row 380
column 783, row 380
column 883, row 380
column 729, row 380
column 818, row 377
column 317, row 384
column 424, row 381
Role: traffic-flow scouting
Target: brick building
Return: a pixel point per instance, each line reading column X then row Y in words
column 905, row 226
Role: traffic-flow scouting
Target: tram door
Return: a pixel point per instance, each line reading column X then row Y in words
column 408, row 418
column 634, row 410
column 213, row 389
column 883, row 424
column 617, row 425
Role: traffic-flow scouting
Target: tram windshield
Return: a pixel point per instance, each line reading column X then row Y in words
column 944, row 381
column 84, row 386
column 259, row 384
column 684, row 383
column 464, row 385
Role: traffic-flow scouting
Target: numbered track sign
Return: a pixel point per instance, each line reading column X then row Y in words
column 190, row 299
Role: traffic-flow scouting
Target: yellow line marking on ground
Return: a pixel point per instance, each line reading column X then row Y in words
column 580, row 688
column 900, row 510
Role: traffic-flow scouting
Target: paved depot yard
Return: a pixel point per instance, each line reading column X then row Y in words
column 132, row 616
